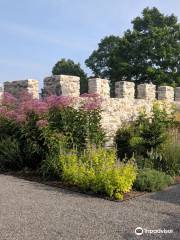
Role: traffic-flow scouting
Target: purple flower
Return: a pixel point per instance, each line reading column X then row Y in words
column 91, row 101
column 42, row 123
column 8, row 100
column 59, row 101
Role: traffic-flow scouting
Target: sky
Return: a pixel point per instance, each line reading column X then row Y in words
column 35, row 34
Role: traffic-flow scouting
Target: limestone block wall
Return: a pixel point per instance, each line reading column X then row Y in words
column 100, row 86
column 166, row 92
column 1, row 91
column 124, row 89
column 62, row 85
column 115, row 111
column 146, row 91
column 16, row 87
column 125, row 107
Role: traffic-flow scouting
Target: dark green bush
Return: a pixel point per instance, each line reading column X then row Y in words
column 123, row 139
column 36, row 125
column 148, row 139
column 152, row 180
column 10, row 154
column 78, row 125
column 152, row 128
column 149, row 131
column 170, row 160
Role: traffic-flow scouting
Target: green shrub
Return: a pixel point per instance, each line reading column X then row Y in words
column 166, row 159
column 33, row 124
column 10, row 154
column 149, row 131
column 78, row 125
column 148, row 139
column 152, row 180
column 96, row 170
column 170, row 161
column 123, row 139
column 152, row 128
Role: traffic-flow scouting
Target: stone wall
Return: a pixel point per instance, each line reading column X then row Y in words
column 1, row 91
column 62, row 85
column 16, row 87
column 115, row 111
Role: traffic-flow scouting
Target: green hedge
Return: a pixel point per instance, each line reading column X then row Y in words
column 152, row 180
column 95, row 170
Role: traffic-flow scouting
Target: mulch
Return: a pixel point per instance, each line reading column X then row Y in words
column 34, row 177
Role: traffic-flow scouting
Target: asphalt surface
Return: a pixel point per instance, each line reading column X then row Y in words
column 33, row 211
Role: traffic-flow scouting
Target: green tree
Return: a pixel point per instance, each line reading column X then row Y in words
column 150, row 52
column 68, row 67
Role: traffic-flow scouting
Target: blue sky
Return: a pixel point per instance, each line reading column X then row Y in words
column 35, row 34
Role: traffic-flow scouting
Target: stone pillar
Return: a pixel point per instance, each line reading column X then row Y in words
column 177, row 94
column 99, row 86
column 16, row 87
column 166, row 93
column 1, row 92
column 124, row 89
column 146, row 91
column 64, row 85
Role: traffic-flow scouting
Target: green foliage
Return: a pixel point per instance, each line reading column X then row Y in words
column 68, row 67
column 148, row 139
column 152, row 180
column 171, row 158
column 147, row 53
column 79, row 126
column 38, row 125
column 10, row 155
column 8, row 128
column 146, row 134
column 123, row 141
column 152, row 128
column 166, row 159
column 95, row 170
column 25, row 145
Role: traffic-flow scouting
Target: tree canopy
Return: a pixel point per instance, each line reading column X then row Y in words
column 68, row 67
column 149, row 52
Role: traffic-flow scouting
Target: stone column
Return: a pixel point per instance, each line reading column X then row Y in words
column 16, row 87
column 166, row 93
column 177, row 94
column 124, row 89
column 64, row 85
column 1, row 92
column 146, row 91
column 99, row 86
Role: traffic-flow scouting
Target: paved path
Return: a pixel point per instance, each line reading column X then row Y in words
column 33, row 211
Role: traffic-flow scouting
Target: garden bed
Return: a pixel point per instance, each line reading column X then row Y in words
column 33, row 176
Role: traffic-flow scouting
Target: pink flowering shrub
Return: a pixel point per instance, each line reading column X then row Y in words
column 33, row 122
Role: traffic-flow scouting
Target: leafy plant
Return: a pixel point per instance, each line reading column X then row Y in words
column 152, row 128
column 10, row 154
column 37, row 125
column 152, row 180
column 149, row 132
column 123, row 142
column 96, row 170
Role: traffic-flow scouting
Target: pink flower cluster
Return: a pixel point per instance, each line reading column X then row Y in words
column 59, row 101
column 91, row 101
column 18, row 108
column 42, row 123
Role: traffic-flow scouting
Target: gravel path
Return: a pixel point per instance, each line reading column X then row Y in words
column 33, row 211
